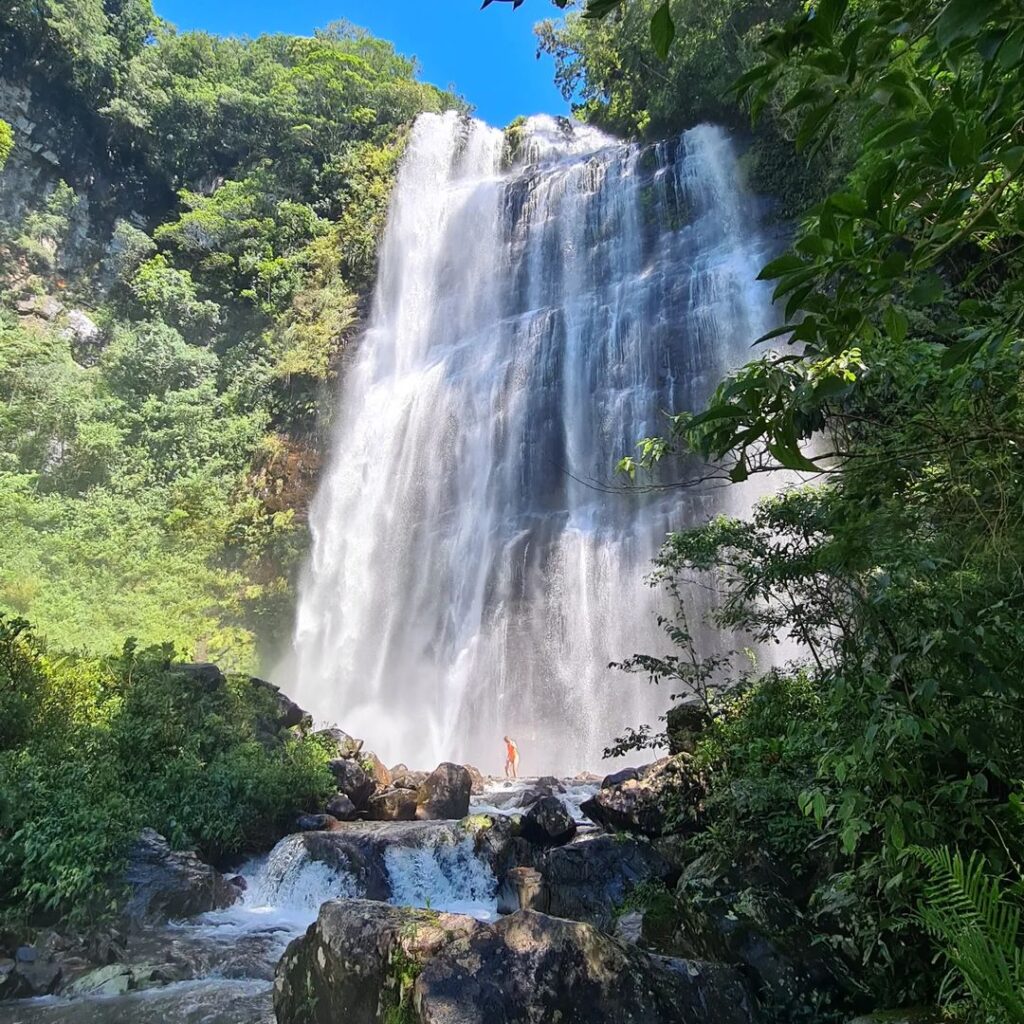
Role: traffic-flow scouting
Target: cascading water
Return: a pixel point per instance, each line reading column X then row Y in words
column 475, row 563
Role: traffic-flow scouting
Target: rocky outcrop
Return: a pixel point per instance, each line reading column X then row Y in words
column 666, row 797
column 364, row 963
column 444, row 793
column 165, row 884
column 548, row 822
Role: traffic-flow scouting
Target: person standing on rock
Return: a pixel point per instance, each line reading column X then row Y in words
column 511, row 759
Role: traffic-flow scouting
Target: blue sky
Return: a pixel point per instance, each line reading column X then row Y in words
column 487, row 55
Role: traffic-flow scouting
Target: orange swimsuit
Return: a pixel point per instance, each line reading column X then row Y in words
column 512, row 751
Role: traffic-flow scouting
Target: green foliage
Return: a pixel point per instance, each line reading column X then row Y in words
column 153, row 479
column 94, row 750
column 978, row 927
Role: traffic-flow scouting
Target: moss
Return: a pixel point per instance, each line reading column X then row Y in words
column 475, row 823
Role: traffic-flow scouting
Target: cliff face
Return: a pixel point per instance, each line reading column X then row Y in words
column 188, row 232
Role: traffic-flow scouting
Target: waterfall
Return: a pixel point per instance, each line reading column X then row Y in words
column 476, row 564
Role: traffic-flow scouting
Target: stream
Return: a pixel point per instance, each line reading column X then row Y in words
column 219, row 968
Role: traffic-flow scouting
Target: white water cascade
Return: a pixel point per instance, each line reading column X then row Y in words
column 476, row 563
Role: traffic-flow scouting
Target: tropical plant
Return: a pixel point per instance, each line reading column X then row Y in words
column 977, row 924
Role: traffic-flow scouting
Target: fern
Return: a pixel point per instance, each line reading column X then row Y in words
column 978, row 928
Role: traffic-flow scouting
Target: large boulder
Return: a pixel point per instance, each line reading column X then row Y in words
column 393, row 805
column 548, row 822
column 165, row 884
column 359, row 962
column 720, row 914
column 369, row 963
column 667, row 797
column 590, row 878
column 444, row 793
column 352, row 781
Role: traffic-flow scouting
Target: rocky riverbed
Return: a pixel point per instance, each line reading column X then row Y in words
column 447, row 897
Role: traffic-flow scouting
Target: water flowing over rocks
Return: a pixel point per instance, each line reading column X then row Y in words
column 362, row 961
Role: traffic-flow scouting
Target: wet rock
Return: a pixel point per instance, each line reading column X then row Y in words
column 165, row 884
column 40, row 977
column 393, row 805
column 358, row 963
column 531, row 968
column 444, row 793
column 522, row 889
column 352, row 781
column 112, row 980
column 364, row 962
column 238, row 882
column 590, row 878
column 666, row 798
column 315, row 822
column 341, row 807
column 684, row 723
column 340, row 741
column 548, row 822
column 408, row 779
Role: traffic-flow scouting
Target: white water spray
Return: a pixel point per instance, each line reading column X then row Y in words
column 476, row 564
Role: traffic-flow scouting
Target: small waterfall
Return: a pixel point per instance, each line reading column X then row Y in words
column 444, row 875
column 290, row 880
column 476, row 564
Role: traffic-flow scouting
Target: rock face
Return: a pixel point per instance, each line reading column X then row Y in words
column 393, row 805
column 548, row 822
column 666, row 798
column 352, row 781
column 166, row 884
column 364, row 963
column 444, row 793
